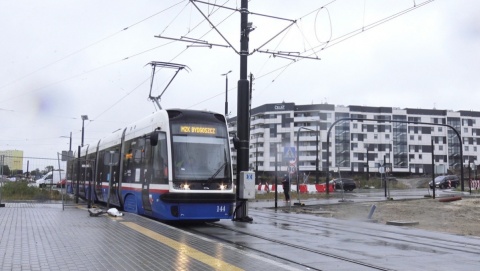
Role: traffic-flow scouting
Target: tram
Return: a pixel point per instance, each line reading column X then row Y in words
column 173, row 165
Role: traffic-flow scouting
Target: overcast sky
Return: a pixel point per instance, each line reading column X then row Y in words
column 63, row 59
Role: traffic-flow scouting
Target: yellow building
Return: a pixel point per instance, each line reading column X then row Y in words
column 13, row 159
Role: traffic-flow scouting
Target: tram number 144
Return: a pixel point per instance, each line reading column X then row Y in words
column 221, row 208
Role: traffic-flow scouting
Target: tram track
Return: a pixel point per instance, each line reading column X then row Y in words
column 287, row 246
column 321, row 241
column 426, row 241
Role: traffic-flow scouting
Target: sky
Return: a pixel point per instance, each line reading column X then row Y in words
column 64, row 59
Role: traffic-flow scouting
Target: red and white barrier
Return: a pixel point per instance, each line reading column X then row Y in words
column 303, row 188
column 475, row 184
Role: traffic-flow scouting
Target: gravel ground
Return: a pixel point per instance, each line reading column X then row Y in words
column 458, row 217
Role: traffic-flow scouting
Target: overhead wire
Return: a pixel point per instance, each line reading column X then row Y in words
column 88, row 46
column 172, row 59
column 282, row 68
column 126, row 58
column 355, row 32
column 330, row 23
column 329, row 43
column 370, row 26
column 103, row 66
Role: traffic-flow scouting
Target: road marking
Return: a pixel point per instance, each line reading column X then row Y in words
column 182, row 248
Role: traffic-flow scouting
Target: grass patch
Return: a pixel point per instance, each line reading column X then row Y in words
column 20, row 190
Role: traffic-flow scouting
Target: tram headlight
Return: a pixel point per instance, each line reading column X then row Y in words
column 181, row 186
column 223, row 186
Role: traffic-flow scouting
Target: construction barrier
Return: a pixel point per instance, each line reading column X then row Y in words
column 475, row 184
column 303, row 188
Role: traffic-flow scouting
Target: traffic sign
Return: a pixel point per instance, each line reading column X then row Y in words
column 289, row 153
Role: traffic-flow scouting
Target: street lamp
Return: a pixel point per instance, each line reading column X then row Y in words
column 70, row 146
column 84, row 118
column 368, row 167
column 69, row 155
column 298, row 157
column 226, row 91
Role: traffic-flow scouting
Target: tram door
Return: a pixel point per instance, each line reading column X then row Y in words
column 146, row 197
column 111, row 161
column 146, row 176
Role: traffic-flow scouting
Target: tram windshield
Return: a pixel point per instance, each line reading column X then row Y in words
column 200, row 158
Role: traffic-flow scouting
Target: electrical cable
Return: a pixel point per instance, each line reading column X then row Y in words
column 346, row 36
column 86, row 47
column 143, row 82
column 355, row 32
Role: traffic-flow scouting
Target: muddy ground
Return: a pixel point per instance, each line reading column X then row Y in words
column 457, row 217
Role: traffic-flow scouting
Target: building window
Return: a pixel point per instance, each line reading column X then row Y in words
column 419, row 138
column 375, row 136
column 440, row 148
column 355, row 126
column 440, row 129
column 420, row 156
column 387, row 136
column 465, row 130
column 411, row 137
column 466, row 148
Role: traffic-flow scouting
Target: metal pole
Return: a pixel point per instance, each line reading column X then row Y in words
column 60, row 175
column 243, row 111
column 70, row 146
column 298, row 163
column 461, row 159
column 327, row 168
column 1, row 180
column 226, row 92
column 276, row 174
column 368, row 166
column 433, row 169
column 89, row 205
column 78, row 177
column 469, row 171
column 256, row 162
column 385, row 173
column 317, row 179
column 83, row 129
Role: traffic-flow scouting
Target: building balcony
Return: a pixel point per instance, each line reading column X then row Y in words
column 257, row 121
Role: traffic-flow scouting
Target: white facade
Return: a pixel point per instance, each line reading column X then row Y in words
column 400, row 137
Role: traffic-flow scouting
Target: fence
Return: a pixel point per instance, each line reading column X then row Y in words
column 39, row 179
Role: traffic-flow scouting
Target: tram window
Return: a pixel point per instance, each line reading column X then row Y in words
column 128, row 171
column 160, row 160
column 139, row 151
column 137, row 156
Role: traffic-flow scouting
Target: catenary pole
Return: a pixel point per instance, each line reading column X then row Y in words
column 243, row 114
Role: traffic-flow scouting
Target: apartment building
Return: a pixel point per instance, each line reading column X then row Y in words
column 361, row 138
column 13, row 159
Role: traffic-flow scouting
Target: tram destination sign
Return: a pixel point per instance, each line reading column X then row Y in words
column 197, row 130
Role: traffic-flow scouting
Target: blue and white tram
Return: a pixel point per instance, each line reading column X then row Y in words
column 173, row 165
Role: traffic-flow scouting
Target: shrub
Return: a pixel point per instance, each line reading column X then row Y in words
column 22, row 191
